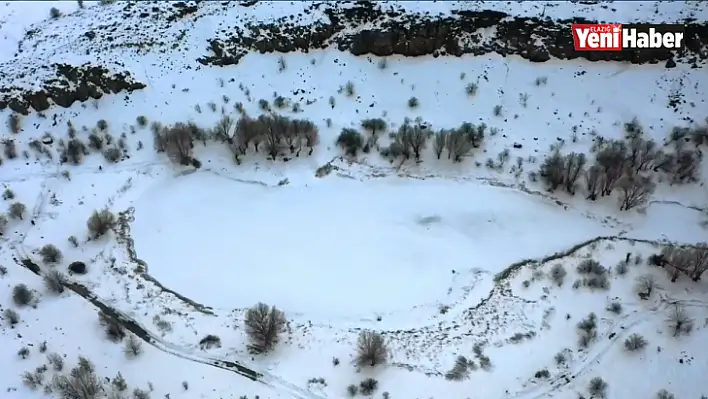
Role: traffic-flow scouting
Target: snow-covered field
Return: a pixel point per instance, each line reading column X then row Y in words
column 417, row 251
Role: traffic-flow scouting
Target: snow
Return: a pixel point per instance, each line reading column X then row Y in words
column 411, row 250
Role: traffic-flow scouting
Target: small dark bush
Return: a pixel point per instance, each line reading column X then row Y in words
column 352, row 390
column 54, row 13
column 351, row 141
column 635, row 342
column 142, row 120
column 21, row 295
column 622, row 268
column 542, row 374
column 77, row 267
column 368, row 386
column 558, row 274
column 133, row 346
column 664, row 394
column 615, row 307
column 210, row 341
column 597, row 387
column 54, row 281
column 50, row 254
column 113, row 329
column 590, row 266
column 11, row 316
column 17, row 210
column 9, row 148
column 459, row 371
column 80, row 383
column 413, row 102
column 113, row 154
column 100, row 223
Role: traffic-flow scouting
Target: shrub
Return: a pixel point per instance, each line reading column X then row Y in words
column 77, row 267
column 54, row 281
column 142, row 120
column 560, row 358
column 597, row 387
column 352, row 390
column 178, row 142
column 13, row 123
column 210, row 341
column 679, row 320
column 23, row 353
column 374, row 125
column 50, row 254
column 74, row 152
column 544, row 373
column 54, row 13
column 413, row 102
column 113, row 154
column 558, row 273
column 3, row 223
column 73, row 241
column 81, row 383
column 263, row 326
column 56, row 361
column 350, row 141
column 9, row 148
column 113, row 329
column 349, row 88
column 646, row 285
column 622, row 268
column 664, row 394
column 471, row 89
column 591, row 266
column 8, row 194
column 459, row 371
column 95, row 141
column 635, row 342
column 33, row 380
column 368, row 386
column 133, row 346
column 100, row 223
column 615, row 307
column 597, row 282
column 140, row 394
column 11, row 316
column 17, row 210
column 22, row 295
column 371, row 349
column 587, row 329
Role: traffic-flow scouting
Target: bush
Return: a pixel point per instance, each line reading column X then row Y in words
column 113, row 154
column 679, row 320
column 664, row 394
column 263, row 326
column 17, row 210
column 374, row 125
column 54, row 13
column 471, row 89
column 56, row 361
column 413, row 102
column 635, row 342
column 140, row 394
column 54, row 281
column 646, row 284
column 544, row 373
column 459, row 371
column 368, row 386
column 350, row 141
column 9, row 148
column 22, row 295
column 113, row 329
column 33, row 380
column 210, row 341
column 100, row 223
column 50, row 254
column 371, row 349
column 13, row 122
column 615, row 307
column 81, row 383
column 587, row 329
column 133, row 346
column 601, row 282
column 622, row 268
column 3, row 223
column 8, row 194
column 77, row 267
column 95, row 141
column 74, row 152
column 597, row 387
column 558, row 273
column 142, row 120
column 352, row 390
column 73, row 241
column 11, row 316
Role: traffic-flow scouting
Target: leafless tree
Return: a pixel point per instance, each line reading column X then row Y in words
column 692, row 261
column 224, row 129
column 100, row 223
column 687, row 166
column 474, row 133
column 679, row 320
column 371, row 349
column 458, row 145
column 81, row 383
column 634, row 191
column 574, row 164
column 699, row 261
column 439, row 140
column 374, row 125
column 413, row 137
column 593, row 181
column 645, row 285
column 311, row 136
column 247, row 131
column 179, row 142
column 263, row 326
column 642, row 153
column 275, row 128
column 553, row 170
column 612, row 159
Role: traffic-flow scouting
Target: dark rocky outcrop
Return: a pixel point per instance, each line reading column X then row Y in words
column 70, row 84
column 394, row 32
column 77, row 267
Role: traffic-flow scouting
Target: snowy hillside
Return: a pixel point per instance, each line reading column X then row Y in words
column 469, row 216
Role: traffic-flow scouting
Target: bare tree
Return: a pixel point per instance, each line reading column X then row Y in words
column 179, row 142
column 439, row 140
column 374, row 125
column 634, row 191
column 311, row 136
column 371, row 349
column 686, row 167
column 699, row 261
column 692, row 261
column 553, row 170
column 100, row 223
column 413, row 137
column 81, row 383
column 263, row 326
column 642, row 153
column 593, row 181
column 646, row 285
column 474, row 133
column 224, row 129
column 247, row 131
column 574, row 164
column 458, row 145
column 350, row 141
column 679, row 321
column 611, row 159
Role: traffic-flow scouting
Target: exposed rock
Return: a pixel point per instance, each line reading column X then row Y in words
column 70, row 84
column 392, row 32
column 77, row 267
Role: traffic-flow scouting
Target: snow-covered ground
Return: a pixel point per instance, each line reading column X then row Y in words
column 407, row 249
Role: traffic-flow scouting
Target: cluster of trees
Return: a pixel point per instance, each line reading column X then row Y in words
column 619, row 164
column 274, row 134
column 691, row 261
column 411, row 138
